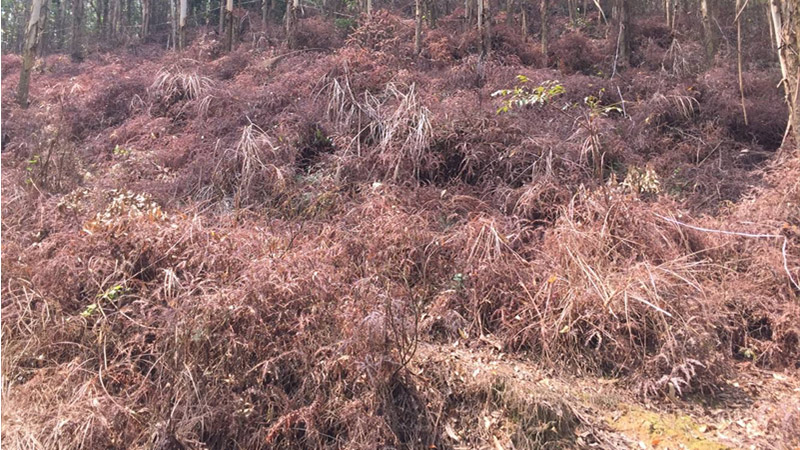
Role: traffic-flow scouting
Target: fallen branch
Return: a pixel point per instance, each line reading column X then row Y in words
column 736, row 233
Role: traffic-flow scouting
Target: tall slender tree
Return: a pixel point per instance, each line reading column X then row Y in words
column 708, row 32
column 786, row 23
column 417, row 27
column 77, row 29
column 229, row 25
column 291, row 22
column 32, row 33
column 544, row 12
column 622, row 21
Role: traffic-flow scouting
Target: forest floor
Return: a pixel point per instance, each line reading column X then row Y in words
column 351, row 247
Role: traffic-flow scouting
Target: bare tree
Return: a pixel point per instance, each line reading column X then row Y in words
column 786, row 23
column 708, row 33
column 291, row 22
column 182, row 24
column 418, row 27
column 229, row 20
column 29, row 53
column 545, row 13
column 77, row 29
column 738, row 20
column 145, row 28
column 622, row 21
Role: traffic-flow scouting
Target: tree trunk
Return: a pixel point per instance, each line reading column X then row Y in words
column 42, row 48
column 221, row 28
column 291, row 23
column 786, row 23
column 418, row 27
column 229, row 19
column 29, row 52
column 622, row 19
column 484, row 30
column 77, row 29
column 509, row 12
column 739, row 11
column 544, row 11
column 708, row 34
column 572, row 6
column 265, row 13
column 60, row 31
column 145, row 30
column 182, row 24
column 173, row 22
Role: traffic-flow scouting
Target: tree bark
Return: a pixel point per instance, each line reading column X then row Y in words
column 182, row 24
column 418, row 27
column 77, row 29
column 229, row 20
column 739, row 11
column 622, row 19
column 708, row 33
column 145, row 30
column 29, row 52
column 544, row 11
column 221, row 26
column 786, row 23
column 60, row 31
column 42, row 48
column 484, row 30
column 291, row 23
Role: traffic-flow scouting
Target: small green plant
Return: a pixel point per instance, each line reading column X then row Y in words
column 597, row 108
column 592, row 146
column 110, row 295
column 35, row 159
column 521, row 95
column 121, row 151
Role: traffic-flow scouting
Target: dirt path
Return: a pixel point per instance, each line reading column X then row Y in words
column 526, row 405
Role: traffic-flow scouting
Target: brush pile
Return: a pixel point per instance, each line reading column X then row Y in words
column 236, row 252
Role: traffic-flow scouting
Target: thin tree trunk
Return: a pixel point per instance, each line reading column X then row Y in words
column 484, row 27
column 29, row 53
column 291, row 23
column 221, row 28
column 509, row 12
column 60, row 31
column 42, row 48
column 544, row 11
column 786, row 23
column 708, row 34
column 229, row 19
column 145, row 30
column 623, row 54
column 739, row 11
column 265, row 13
column 173, row 22
column 524, row 24
column 77, row 29
column 182, row 24
column 418, row 27
column 572, row 6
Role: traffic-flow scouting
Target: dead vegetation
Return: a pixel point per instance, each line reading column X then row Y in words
column 272, row 251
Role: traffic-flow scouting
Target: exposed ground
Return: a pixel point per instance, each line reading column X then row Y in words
column 348, row 247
